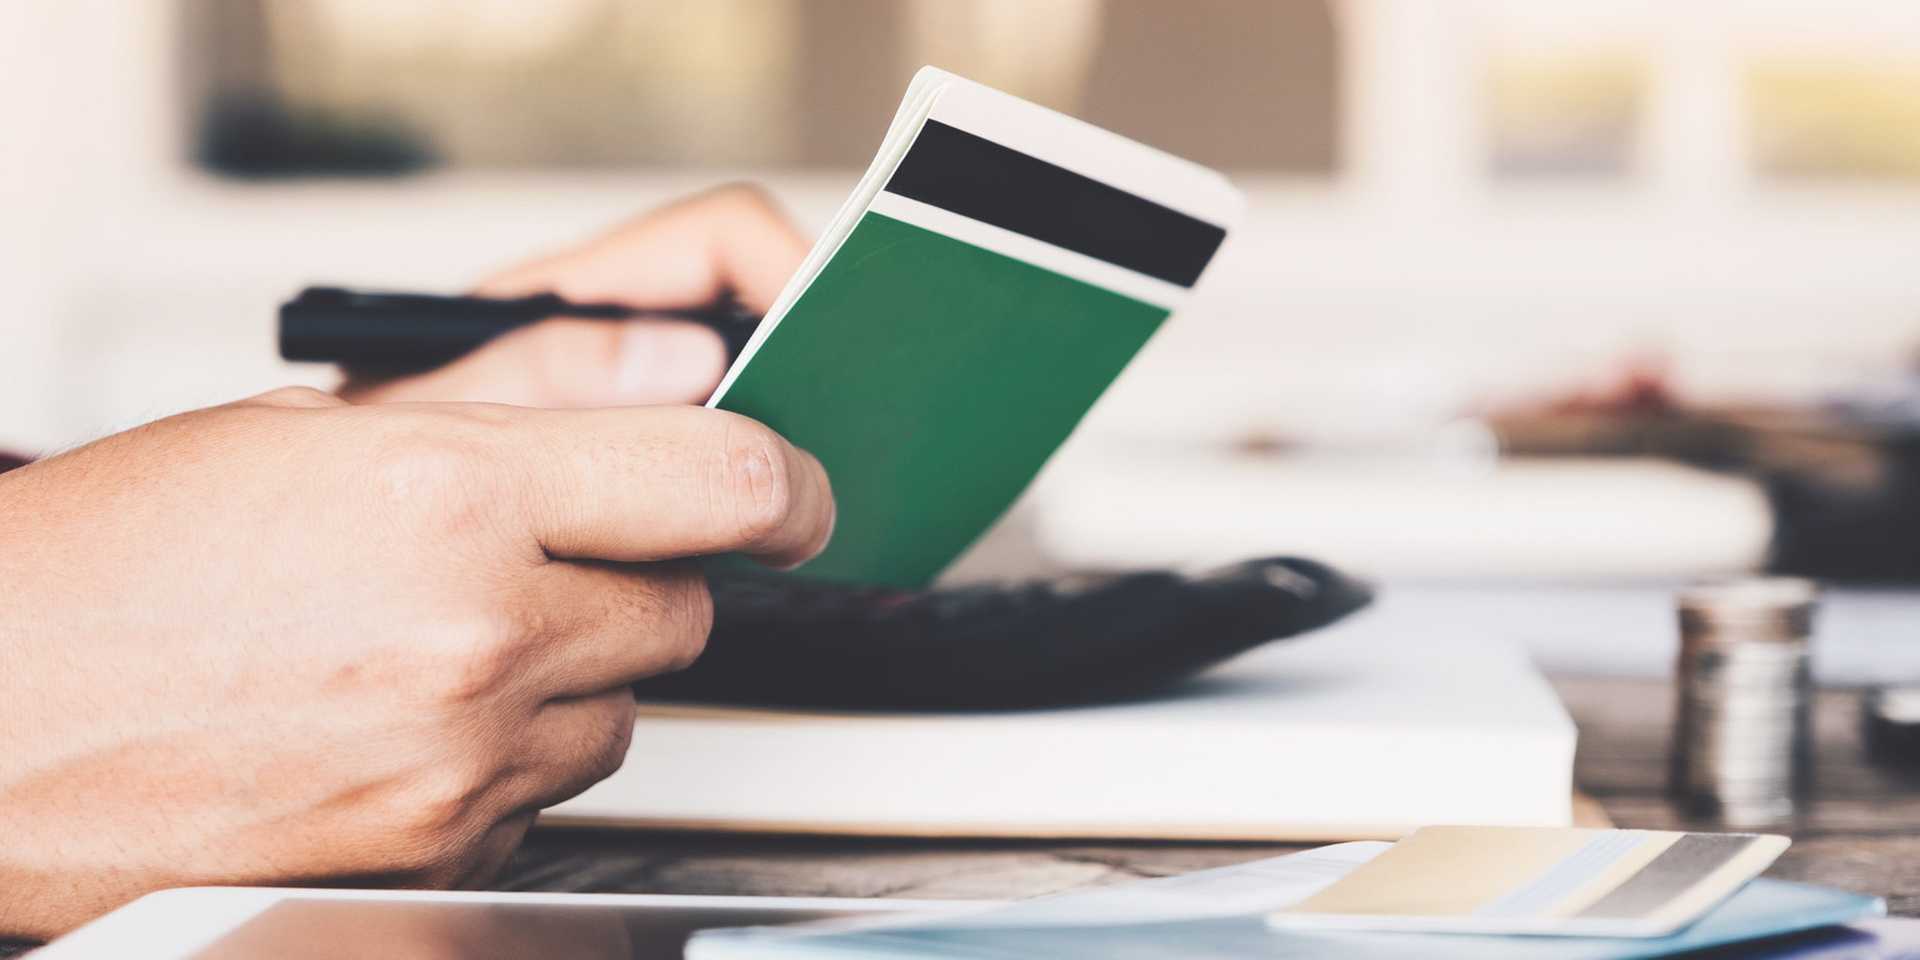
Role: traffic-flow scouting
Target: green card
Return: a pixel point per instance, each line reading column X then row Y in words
column 997, row 268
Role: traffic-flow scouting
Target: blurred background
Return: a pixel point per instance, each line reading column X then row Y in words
column 1603, row 290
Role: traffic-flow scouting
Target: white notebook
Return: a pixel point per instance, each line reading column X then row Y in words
column 1350, row 733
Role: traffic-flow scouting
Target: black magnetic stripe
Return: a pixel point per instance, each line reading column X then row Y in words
column 978, row 178
column 1687, row 862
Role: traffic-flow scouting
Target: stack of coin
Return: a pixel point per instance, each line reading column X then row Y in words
column 1742, row 745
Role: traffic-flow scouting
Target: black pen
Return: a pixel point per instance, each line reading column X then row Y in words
column 413, row 331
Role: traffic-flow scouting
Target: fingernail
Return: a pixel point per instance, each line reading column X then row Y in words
column 667, row 362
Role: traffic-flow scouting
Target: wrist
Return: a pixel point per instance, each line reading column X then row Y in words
column 40, row 904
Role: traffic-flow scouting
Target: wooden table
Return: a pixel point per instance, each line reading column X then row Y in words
column 1862, row 831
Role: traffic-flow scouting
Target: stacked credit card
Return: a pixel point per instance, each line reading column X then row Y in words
column 992, row 273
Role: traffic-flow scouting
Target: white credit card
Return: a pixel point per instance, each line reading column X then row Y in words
column 1539, row 881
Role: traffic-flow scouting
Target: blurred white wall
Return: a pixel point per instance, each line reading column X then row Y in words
column 1390, row 295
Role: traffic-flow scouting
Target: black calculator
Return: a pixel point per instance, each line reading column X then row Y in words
column 786, row 641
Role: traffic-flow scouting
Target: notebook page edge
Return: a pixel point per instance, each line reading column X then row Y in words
column 922, row 92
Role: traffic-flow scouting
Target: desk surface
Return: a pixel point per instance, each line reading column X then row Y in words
column 1862, row 833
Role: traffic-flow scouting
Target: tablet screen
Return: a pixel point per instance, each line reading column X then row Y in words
column 297, row 929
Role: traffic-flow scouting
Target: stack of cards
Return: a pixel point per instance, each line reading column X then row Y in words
column 1539, row 880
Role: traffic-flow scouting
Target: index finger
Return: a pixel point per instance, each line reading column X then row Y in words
column 656, row 483
column 731, row 241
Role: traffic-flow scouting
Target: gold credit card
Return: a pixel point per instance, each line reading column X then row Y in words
column 1539, row 880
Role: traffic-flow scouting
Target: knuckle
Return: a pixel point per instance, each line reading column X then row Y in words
column 302, row 397
column 427, row 861
column 558, row 347
column 436, row 483
column 758, row 490
column 472, row 659
column 692, row 605
column 436, row 820
column 747, row 197
column 672, row 609
column 534, row 618
column 610, row 753
column 424, row 472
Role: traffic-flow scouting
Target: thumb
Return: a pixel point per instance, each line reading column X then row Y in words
column 571, row 363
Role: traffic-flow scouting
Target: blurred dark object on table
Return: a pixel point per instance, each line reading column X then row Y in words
column 1890, row 726
column 9, row 461
column 1843, row 477
column 262, row 138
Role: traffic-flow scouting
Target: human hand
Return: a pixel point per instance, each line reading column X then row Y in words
column 728, row 242
column 291, row 640
column 1638, row 383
